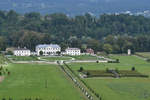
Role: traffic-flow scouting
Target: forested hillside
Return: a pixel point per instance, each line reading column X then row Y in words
column 112, row 33
column 74, row 7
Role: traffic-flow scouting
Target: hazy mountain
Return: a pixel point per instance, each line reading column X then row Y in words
column 73, row 7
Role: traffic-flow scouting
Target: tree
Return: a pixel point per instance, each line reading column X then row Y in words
column 41, row 53
column 81, row 69
column 133, row 69
column 2, row 43
column 107, row 48
column 58, row 52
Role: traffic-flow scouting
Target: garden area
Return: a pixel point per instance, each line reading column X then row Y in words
column 143, row 54
column 37, row 82
column 86, row 57
column 118, row 88
column 112, row 73
column 23, row 58
column 56, row 58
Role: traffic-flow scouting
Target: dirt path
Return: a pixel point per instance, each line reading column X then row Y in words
column 1, row 78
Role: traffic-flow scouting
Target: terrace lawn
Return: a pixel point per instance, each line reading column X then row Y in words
column 23, row 58
column 56, row 58
column 29, row 81
column 144, row 54
column 85, row 57
column 123, row 88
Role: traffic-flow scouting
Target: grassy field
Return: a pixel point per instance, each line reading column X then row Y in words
column 37, row 81
column 144, row 54
column 56, row 58
column 123, row 88
column 23, row 58
column 85, row 57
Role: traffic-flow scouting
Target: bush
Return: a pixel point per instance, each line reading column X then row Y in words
column 148, row 60
column 87, row 73
column 81, row 69
column 133, row 69
column 117, row 60
column 107, row 70
column 97, row 61
column 9, row 53
column 117, row 70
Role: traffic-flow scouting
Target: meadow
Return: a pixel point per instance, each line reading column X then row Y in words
column 56, row 58
column 23, row 58
column 43, row 81
column 144, row 54
column 120, row 88
column 86, row 57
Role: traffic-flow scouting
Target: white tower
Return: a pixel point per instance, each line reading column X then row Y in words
column 129, row 51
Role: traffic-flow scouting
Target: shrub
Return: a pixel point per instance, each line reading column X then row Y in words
column 107, row 70
column 10, row 99
column 117, row 60
column 148, row 60
column 133, row 69
column 117, row 70
column 41, row 53
column 9, row 53
column 97, row 61
column 81, row 69
column 87, row 73
column 1, row 68
column 8, row 73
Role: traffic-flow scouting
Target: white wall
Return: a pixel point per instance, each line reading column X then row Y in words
column 22, row 52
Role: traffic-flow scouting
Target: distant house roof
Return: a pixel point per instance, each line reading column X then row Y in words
column 89, row 50
column 21, row 48
column 72, row 49
column 47, row 45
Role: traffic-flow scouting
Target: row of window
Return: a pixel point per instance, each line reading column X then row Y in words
column 73, row 51
column 48, row 48
column 49, row 52
column 22, row 52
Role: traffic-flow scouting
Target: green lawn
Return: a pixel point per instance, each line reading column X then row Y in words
column 29, row 81
column 85, row 57
column 144, row 54
column 23, row 58
column 123, row 88
column 56, row 58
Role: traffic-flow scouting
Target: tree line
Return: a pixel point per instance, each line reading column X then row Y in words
column 109, row 33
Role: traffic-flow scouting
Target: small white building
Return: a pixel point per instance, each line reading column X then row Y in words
column 73, row 51
column 22, row 52
column 48, row 49
column 129, row 51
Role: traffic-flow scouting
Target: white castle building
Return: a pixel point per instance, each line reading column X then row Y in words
column 73, row 51
column 22, row 52
column 48, row 49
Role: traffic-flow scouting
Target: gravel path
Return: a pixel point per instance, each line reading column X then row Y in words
column 1, row 78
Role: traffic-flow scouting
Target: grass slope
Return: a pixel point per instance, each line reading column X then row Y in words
column 85, row 57
column 29, row 80
column 56, row 58
column 144, row 54
column 123, row 88
column 23, row 58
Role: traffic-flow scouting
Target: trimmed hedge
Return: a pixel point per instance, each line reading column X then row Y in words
column 121, row 73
